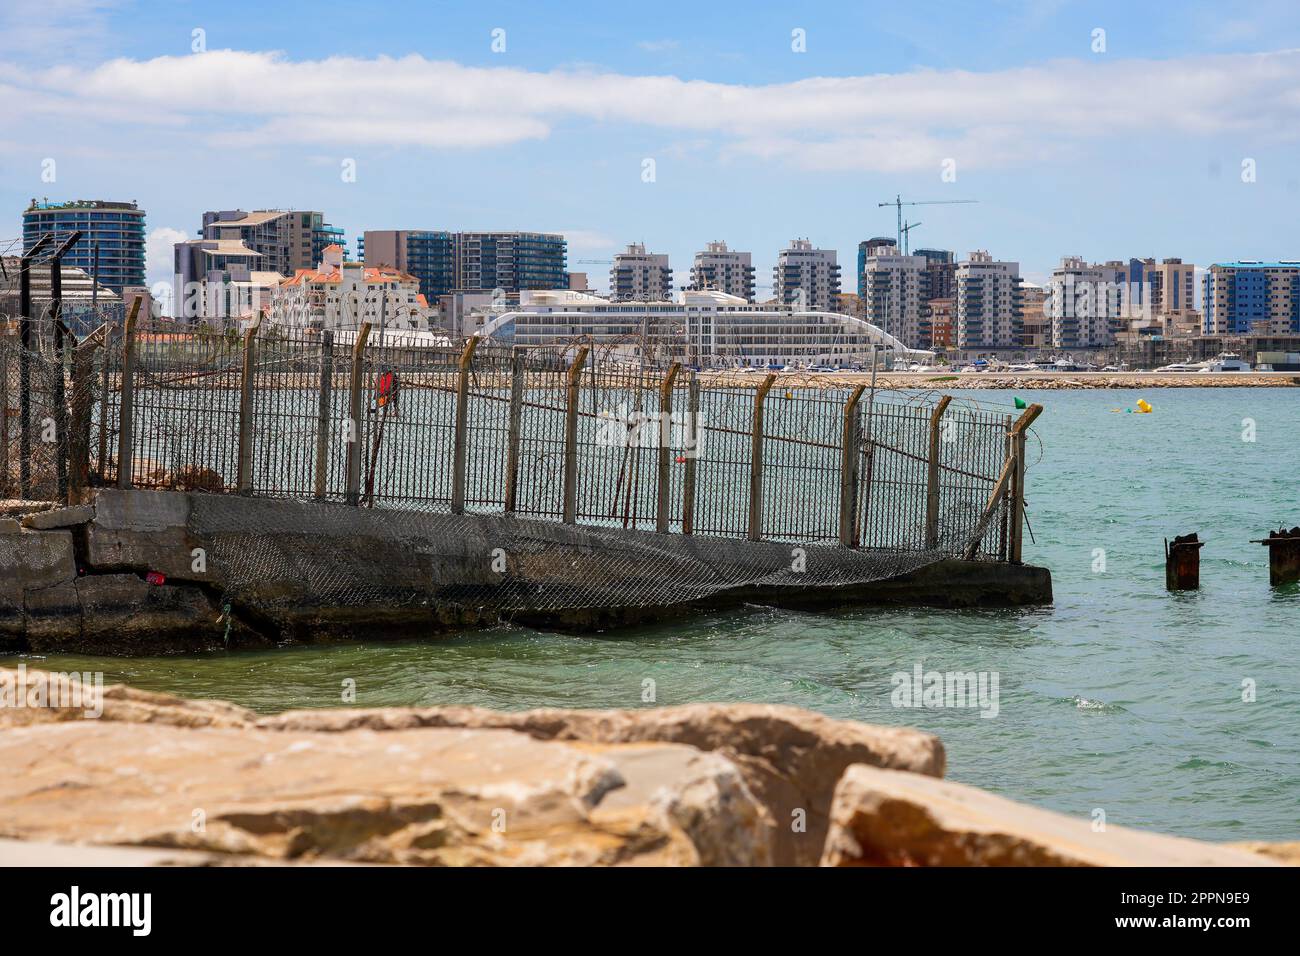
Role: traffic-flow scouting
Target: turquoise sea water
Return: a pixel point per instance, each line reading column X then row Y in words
column 1120, row 697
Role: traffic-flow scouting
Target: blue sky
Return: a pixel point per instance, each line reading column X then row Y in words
column 1134, row 150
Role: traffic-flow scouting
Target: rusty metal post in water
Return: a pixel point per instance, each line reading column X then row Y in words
column 1283, row 556
column 1183, row 563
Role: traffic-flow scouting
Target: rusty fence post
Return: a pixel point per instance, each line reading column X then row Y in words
column 126, row 404
column 1018, row 431
column 665, row 440
column 518, row 368
column 756, row 461
column 4, row 418
column 1000, row 488
column 691, row 453
column 244, row 481
column 82, row 408
column 932, row 475
column 325, row 399
column 571, row 437
column 101, row 466
column 356, row 392
column 850, row 461
column 459, row 454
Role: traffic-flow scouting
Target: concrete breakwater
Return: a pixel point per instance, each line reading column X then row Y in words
column 137, row 571
column 696, row 785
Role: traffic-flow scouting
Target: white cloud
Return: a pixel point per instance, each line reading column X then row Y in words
column 159, row 263
column 886, row 122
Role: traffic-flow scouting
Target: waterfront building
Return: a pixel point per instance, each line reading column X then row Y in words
column 219, row 279
column 640, row 275
column 444, row 262
column 510, row 261
column 703, row 328
column 341, row 295
column 1171, row 284
column 942, row 315
column 287, row 239
column 1086, row 302
column 1246, row 297
column 1035, row 326
column 720, row 268
column 117, row 228
column 806, row 277
column 940, row 275
column 868, row 248
column 891, row 295
column 988, row 303
column 84, row 306
column 429, row 255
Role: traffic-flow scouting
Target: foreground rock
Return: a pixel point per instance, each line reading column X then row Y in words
column 784, row 758
column 706, row 784
column 428, row 796
column 884, row 818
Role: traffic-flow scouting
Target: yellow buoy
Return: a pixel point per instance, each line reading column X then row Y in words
column 1143, row 405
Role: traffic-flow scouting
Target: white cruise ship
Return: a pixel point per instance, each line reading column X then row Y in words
column 700, row 328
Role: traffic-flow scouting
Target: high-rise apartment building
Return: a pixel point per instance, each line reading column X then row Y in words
column 872, row 247
column 1087, row 302
column 428, row 255
column 725, row 270
column 117, row 228
column 1247, row 297
column 443, row 262
column 287, row 239
column 891, row 296
column 640, row 275
column 805, row 277
column 1166, row 290
column 988, row 303
column 510, row 261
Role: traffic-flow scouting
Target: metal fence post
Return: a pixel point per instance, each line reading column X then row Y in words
column 517, row 373
column 756, row 462
column 571, row 437
column 244, row 481
column 665, row 440
column 1018, row 491
column 83, row 376
column 352, row 493
column 325, row 400
column 101, row 465
column 692, row 453
column 126, row 405
column 458, row 455
column 932, row 476
column 850, row 457
column 4, row 418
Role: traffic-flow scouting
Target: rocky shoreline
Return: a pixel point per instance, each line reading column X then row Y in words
column 156, row 779
column 945, row 381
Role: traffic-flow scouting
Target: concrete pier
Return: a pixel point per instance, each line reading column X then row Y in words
column 242, row 571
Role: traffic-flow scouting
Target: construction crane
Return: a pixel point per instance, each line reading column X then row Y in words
column 898, row 205
column 907, row 230
column 593, row 262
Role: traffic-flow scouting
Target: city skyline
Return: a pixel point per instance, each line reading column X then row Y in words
column 1170, row 140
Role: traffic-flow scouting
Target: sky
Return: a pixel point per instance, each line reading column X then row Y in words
column 1100, row 129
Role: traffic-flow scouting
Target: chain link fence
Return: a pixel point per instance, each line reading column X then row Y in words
column 610, row 440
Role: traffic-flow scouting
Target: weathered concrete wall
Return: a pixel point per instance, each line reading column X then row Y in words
column 302, row 571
